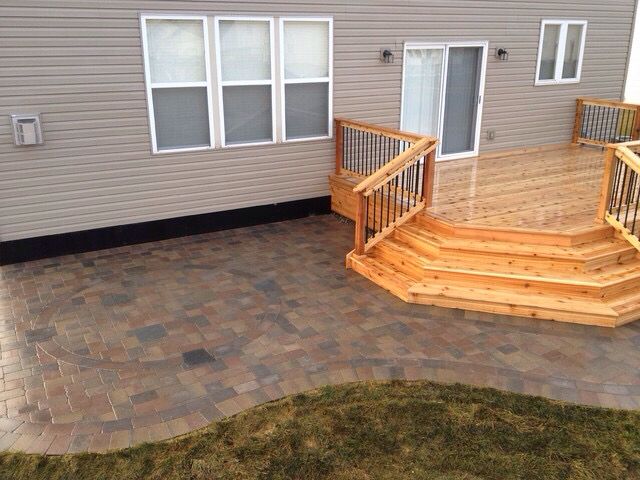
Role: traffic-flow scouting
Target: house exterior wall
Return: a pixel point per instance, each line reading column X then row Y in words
column 79, row 63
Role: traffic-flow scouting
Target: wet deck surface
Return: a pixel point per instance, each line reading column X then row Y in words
column 555, row 190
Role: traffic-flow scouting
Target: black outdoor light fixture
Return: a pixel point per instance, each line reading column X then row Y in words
column 502, row 54
column 386, row 55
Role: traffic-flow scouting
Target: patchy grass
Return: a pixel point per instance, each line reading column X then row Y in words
column 395, row 430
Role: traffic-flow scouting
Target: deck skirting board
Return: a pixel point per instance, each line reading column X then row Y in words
column 36, row 248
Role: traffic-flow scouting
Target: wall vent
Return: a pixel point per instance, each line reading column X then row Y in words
column 26, row 129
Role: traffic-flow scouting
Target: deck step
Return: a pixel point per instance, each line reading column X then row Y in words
column 383, row 275
column 503, row 272
column 584, row 256
column 445, row 293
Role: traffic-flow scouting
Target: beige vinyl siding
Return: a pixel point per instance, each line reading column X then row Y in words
column 79, row 63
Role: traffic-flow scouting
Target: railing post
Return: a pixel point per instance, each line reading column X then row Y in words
column 607, row 182
column 577, row 126
column 428, row 177
column 361, row 224
column 635, row 134
column 339, row 145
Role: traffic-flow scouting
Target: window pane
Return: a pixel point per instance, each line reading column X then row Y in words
column 176, row 51
column 307, row 109
column 245, row 50
column 422, row 86
column 549, row 49
column 247, row 114
column 182, row 117
column 572, row 51
column 306, row 49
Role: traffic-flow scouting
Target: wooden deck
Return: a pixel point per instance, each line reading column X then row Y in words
column 554, row 189
column 509, row 232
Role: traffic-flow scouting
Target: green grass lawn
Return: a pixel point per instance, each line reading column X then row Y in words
column 396, row 430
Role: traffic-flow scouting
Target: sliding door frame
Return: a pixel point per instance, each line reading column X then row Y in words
column 445, row 46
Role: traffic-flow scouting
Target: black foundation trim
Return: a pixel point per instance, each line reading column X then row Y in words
column 27, row 249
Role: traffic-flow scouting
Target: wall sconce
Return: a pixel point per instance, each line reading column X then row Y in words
column 502, row 54
column 386, row 55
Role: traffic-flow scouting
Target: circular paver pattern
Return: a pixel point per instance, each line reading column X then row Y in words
column 112, row 348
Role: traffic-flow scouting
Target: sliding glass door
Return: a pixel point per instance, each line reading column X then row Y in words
column 442, row 95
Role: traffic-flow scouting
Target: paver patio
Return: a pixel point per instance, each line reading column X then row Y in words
column 113, row 348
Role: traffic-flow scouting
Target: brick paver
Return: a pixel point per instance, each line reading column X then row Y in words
column 117, row 347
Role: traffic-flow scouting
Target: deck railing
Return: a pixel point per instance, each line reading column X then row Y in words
column 600, row 122
column 399, row 170
column 362, row 148
column 620, row 194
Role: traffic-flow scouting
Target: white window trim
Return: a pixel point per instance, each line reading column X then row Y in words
column 271, row 82
column 150, row 86
column 562, row 40
column 328, row 79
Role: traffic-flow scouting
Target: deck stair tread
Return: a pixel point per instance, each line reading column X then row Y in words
column 587, row 255
column 489, row 294
column 504, row 267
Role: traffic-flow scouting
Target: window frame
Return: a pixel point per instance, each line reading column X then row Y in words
column 246, row 83
column 149, row 86
column 560, row 51
column 284, row 81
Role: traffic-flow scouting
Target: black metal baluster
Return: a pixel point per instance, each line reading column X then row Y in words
column 388, row 201
column 635, row 215
column 381, row 206
column 402, row 194
column 624, row 180
column 395, row 196
column 632, row 188
column 367, row 230
column 374, row 212
column 598, row 120
column 345, row 148
column 616, row 183
column 415, row 194
column 605, row 125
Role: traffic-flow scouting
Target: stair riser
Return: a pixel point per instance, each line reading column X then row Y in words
column 409, row 266
column 518, row 310
column 617, row 257
column 520, row 285
column 424, row 248
column 380, row 278
column 622, row 287
column 403, row 263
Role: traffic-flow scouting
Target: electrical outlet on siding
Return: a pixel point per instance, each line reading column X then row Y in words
column 491, row 134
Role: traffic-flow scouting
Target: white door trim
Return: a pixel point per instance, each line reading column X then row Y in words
column 445, row 46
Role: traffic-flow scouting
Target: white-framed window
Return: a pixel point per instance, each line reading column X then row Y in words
column 306, row 63
column 245, row 68
column 560, row 51
column 260, row 87
column 178, row 82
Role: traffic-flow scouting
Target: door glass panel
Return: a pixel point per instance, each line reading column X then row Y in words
column 461, row 99
column 422, row 90
column 550, row 41
column 572, row 51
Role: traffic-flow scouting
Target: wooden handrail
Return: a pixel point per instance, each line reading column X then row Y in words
column 599, row 121
column 393, row 166
column 379, row 130
column 383, row 179
column 628, row 157
column 609, row 103
column 620, row 191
